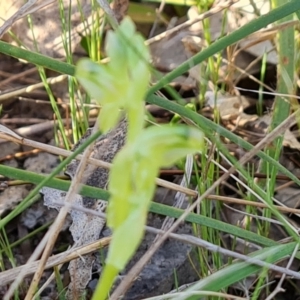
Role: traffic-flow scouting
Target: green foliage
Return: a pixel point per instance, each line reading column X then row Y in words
column 109, row 83
column 237, row 271
column 131, row 194
column 120, row 85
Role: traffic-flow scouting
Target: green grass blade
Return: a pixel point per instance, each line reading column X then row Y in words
column 209, row 128
column 238, row 271
column 31, row 197
column 251, row 27
column 37, row 59
column 161, row 209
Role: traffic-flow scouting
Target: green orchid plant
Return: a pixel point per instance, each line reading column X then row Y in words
column 120, row 86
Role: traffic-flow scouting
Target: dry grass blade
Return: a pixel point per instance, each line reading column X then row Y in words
column 10, row 132
column 17, row 92
column 26, row 9
column 107, row 9
column 7, row 276
column 58, row 223
column 252, row 203
column 95, row 162
column 50, row 238
column 179, row 198
column 278, row 288
column 30, row 268
column 20, row 75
